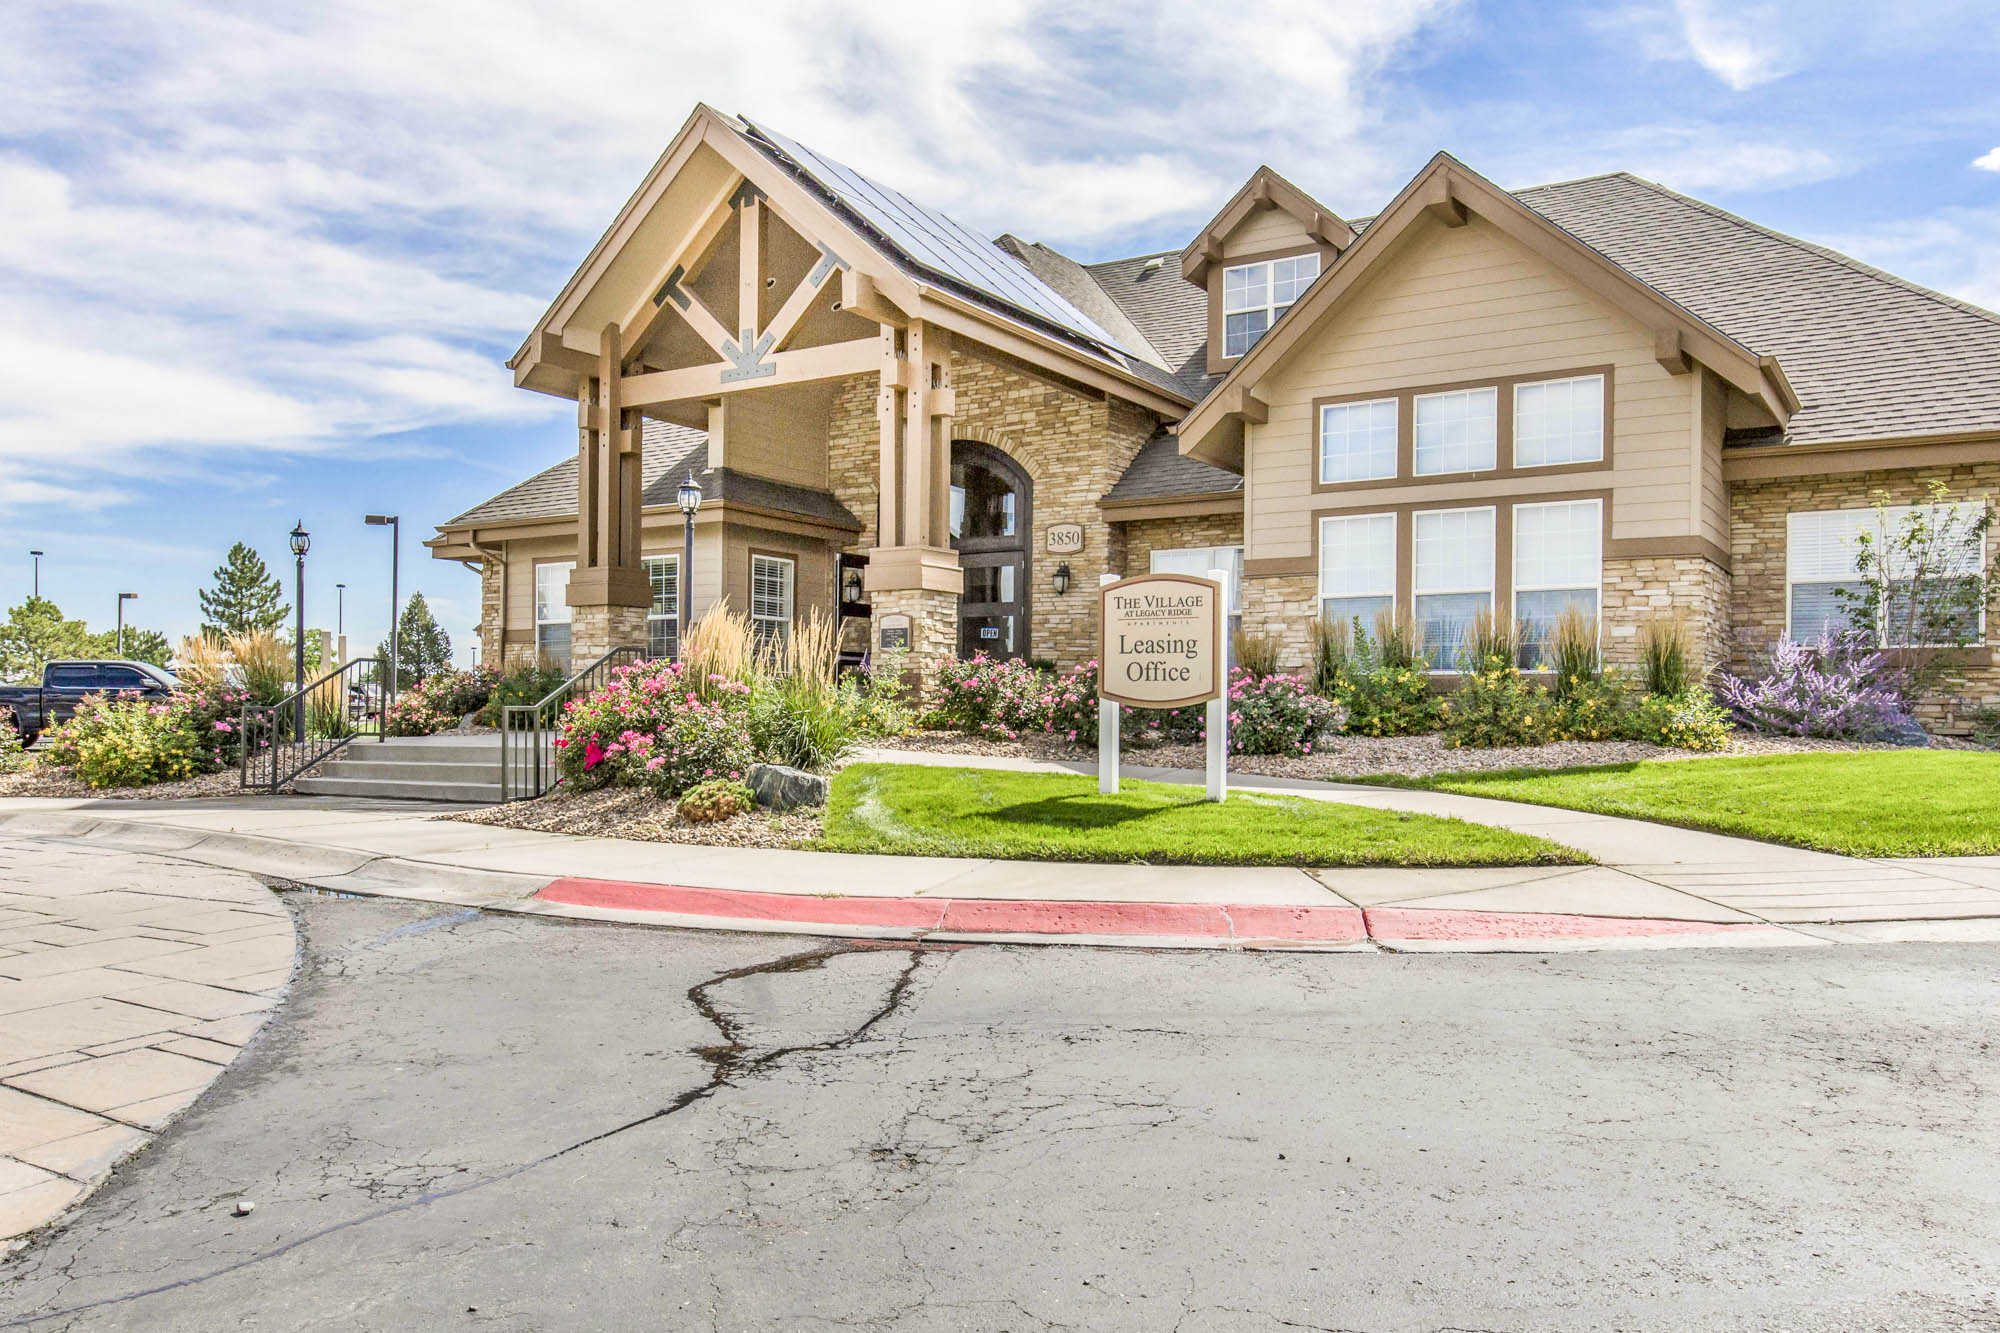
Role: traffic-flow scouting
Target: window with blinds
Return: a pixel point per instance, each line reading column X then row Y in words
column 663, row 619
column 1558, row 564
column 771, row 597
column 1822, row 571
column 1357, row 568
column 1453, row 580
column 552, row 612
column 1198, row 560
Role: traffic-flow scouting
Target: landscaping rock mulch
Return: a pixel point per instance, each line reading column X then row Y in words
column 635, row 813
column 1345, row 757
column 49, row 780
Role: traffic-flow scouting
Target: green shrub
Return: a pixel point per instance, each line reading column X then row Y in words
column 523, row 685
column 1986, row 727
column 1254, row 653
column 13, row 757
column 1395, row 642
column 1381, row 700
column 439, row 701
column 1498, row 706
column 713, row 801
column 131, row 743
column 1275, row 715
column 1491, row 644
column 1666, row 655
column 808, row 728
column 1691, row 721
column 1592, row 710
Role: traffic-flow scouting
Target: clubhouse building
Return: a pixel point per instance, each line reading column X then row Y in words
column 1599, row 393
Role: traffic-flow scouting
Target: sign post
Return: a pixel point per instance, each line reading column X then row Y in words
column 1162, row 644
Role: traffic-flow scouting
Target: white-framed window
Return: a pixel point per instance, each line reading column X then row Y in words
column 771, row 597
column 1357, row 568
column 1822, row 549
column 1558, row 563
column 1559, row 421
column 1456, row 430
column 1198, row 560
column 663, row 617
column 552, row 612
column 1255, row 295
column 1357, row 441
column 1452, row 579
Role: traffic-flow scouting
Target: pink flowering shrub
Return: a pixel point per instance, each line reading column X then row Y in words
column 1276, row 714
column 439, row 700
column 127, row 741
column 649, row 728
column 991, row 697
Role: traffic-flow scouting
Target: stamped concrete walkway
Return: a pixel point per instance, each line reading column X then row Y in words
column 118, row 1006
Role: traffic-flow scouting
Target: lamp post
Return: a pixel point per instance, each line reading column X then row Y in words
column 301, row 540
column 123, row 598
column 38, row 573
column 689, row 496
column 339, row 610
column 393, row 522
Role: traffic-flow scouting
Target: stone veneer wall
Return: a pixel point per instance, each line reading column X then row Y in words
column 1283, row 608
column 1637, row 589
column 596, row 630
column 1073, row 447
column 1758, row 540
column 1148, row 535
column 491, row 650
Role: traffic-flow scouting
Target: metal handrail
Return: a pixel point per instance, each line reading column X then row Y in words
column 526, row 760
column 273, row 754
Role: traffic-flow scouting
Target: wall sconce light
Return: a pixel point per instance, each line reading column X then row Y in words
column 850, row 587
column 1061, row 578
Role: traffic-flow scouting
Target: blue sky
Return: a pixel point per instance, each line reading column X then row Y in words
column 261, row 263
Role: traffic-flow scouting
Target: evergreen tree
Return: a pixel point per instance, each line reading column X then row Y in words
column 246, row 598
column 423, row 648
column 35, row 633
column 141, row 645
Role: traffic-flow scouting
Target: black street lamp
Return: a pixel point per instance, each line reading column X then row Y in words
column 689, row 496
column 394, row 523
column 38, row 573
column 123, row 598
column 339, row 610
column 301, row 540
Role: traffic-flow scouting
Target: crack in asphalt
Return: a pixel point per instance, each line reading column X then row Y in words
column 731, row 1058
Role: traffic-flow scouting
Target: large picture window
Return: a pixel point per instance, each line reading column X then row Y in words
column 1357, row 568
column 1357, row 441
column 1254, row 296
column 663, row 618
column 1198, row 560
column 552, row 612
column 1822, row 573
column 1452, row 580
column 771, row 597
column 1456, row 431
column 1558, row 564
column 1559, row 421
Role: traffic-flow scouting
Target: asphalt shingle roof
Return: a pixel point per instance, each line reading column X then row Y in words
column 670, row 453
column 1163, row 472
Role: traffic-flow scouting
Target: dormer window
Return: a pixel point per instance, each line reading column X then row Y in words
column 1255, row 295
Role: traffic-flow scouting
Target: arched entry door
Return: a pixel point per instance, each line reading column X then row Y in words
column 991, row 501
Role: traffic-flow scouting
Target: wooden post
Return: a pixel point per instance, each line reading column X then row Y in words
column 916, row 433
column 887, row 497
column 1218, row 708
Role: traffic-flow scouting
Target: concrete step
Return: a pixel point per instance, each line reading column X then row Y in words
column 367, row 766
column 448, row 748
column 470, row 793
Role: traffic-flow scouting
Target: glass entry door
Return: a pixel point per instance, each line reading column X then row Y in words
column 990, row 522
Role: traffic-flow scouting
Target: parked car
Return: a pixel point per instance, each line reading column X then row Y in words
column 36, row 708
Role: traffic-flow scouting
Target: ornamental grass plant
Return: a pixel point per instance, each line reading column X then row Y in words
column 1331, row 640
column 1254, row 653
column 1572, row 651
column 1666, row 655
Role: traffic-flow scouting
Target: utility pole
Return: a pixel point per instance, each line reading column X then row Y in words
column 123, row 598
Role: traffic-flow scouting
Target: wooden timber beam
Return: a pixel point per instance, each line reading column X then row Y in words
column 653, row 304
column 801, row 299
column 1670, row 350
column 698, row 383
column 1442, row 202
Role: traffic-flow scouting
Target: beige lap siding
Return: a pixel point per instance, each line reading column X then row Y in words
column 1758, row 512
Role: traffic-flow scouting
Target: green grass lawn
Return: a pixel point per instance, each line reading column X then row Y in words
column 913, row 810
column 1871, row 803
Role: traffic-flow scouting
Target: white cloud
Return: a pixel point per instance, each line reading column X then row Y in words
column 1955, row 251
column 1742, row 45
column 1988, row 161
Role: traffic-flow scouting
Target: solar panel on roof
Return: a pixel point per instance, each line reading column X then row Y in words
column 934, row 241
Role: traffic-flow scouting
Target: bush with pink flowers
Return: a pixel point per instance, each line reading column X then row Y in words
column 1276, row 714
column 439, row 701
column 648, row 727
column 127, row 741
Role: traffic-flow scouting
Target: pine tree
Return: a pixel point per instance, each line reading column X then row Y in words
column 35, row 633
column 246, row 598
column 423, row 648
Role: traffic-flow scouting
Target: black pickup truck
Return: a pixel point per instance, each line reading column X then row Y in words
column 36, row 708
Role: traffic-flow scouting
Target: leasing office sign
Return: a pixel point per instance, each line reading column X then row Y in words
column 1162, row 643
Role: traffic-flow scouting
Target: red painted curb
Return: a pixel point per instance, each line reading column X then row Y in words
column 975, row 916
column 1438, row 923
column 1219, row 921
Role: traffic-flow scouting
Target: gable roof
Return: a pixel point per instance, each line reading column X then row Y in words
column 1162, row 472
column 1446, row 189
column 669, row 453
column 1265, row 189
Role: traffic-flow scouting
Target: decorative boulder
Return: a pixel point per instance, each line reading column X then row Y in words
column 781, row 788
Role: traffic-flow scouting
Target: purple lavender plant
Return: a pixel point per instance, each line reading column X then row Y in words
column 1840, row 687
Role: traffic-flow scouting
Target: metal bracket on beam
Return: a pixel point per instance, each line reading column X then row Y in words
column 746, row 193
column 828, row 262
column 750, row 364
column 672, row 288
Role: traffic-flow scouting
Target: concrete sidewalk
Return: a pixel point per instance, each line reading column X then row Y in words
column 1650, row 874
column 119, row 1004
